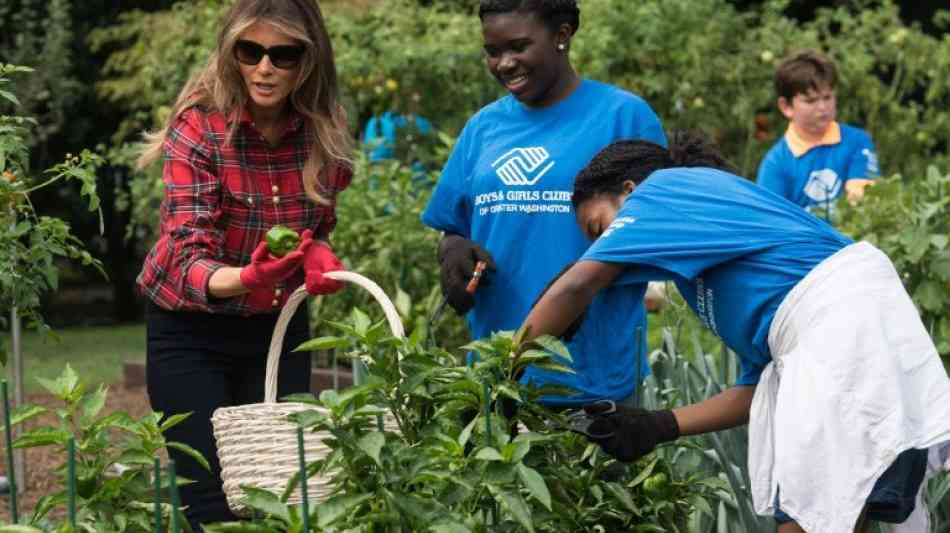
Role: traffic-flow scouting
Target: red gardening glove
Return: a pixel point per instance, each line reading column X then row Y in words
column 320, row 259
column 266, row 271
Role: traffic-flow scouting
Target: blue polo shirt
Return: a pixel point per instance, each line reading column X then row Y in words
column 508, row 186
column 733, row 249
column 814, row 179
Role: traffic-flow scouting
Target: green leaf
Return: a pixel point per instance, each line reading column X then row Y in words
column 466, row 432
column 929, row 296
column 16, row 528
column 535, row 484
column 190, row 452
column 622, row 495
column 518, row 508
column 93, row 403
column 516, row 451
column 173, row 421
column 25, row 412
column 323, row 343
column 403, row 303
column 489, row 454
column 361, row 321
column 940, row 266
column 135, row 457
column 372, row 444
column 265, row 502
column 939, row 241
column 553, row 345
column 7, row 95
column 337, row 507
column 43, row 436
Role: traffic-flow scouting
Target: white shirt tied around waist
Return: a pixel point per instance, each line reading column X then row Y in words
column 855, row 380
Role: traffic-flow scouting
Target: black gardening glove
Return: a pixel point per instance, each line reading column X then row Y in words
column 629, row 433
column 457, row 257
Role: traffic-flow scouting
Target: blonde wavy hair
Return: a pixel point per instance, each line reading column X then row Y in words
column 315, row 96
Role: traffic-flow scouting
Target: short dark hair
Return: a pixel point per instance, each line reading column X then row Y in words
column 804, row 71
column 636, row 160
column 552, row 13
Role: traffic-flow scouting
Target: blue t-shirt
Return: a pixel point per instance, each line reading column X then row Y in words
column 733, row 249
column 508, row 186
column 381, row 130
column 816, row 179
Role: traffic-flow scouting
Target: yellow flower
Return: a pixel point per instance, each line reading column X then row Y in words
column 391, row 84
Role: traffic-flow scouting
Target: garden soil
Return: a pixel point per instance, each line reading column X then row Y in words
column 41, row 463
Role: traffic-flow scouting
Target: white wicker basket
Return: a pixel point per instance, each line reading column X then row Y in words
column 256, row 444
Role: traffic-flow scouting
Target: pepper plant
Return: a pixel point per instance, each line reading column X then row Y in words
column 114, row 459
column 430, row 444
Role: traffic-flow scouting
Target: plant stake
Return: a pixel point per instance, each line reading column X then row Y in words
column 304, row 506
column 71, row 481
column 173, row 487
column 157, row 477
column 9, row 436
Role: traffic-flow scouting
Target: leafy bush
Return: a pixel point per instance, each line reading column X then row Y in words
column 30, row 244
column 909, row 220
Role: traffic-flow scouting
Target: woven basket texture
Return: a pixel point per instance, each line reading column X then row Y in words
column 257, row 445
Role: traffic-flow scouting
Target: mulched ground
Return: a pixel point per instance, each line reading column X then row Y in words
column 41, row 462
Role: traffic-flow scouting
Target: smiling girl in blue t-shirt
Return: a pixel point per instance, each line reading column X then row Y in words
column 504, row 195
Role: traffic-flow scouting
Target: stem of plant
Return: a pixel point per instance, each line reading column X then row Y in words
column 71, row 481
column 304, row 506
column 486, row 392
column 173, row 487
column 11, row 478
column 157, row 477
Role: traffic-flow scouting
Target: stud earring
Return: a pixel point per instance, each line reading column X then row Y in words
column 561, row 47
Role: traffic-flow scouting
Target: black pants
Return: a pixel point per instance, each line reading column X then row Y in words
column 197, row 362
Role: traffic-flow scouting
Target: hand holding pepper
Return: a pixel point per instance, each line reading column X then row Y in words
column 266, row 270
column 320, row 259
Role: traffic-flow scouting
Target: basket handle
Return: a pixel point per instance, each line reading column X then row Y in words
column 277, row 340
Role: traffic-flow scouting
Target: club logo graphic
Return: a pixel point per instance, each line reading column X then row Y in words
column 523, row 166
column 823, row 185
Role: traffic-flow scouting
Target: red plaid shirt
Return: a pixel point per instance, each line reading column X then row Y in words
column 220, row 200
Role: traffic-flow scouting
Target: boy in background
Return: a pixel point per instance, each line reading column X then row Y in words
column 818, row 158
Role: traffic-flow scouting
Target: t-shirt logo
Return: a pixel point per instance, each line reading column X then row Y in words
column 523, row 166
column 871, row 157
column 823, row 185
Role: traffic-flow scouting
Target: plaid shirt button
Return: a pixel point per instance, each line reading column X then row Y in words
column 275, row 303
column 277, row 291
column 274, row 189
column 276, row 200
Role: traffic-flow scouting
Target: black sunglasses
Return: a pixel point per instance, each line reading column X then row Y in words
column 285, row 56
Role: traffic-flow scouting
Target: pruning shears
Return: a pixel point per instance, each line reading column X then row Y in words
column 470, row 288
column 580, row 421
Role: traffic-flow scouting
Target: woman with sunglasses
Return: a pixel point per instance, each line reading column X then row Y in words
column 256, row 138
column 504, row 196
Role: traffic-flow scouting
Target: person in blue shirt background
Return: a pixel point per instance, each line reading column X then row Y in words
column 841, row 385
column 504, row 196
column 818, row 159
column 381, row 131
